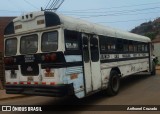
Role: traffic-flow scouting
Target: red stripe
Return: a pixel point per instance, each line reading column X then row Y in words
column 29, row 83
column 21, row 82
column 15, row 82
column 52, row 83
column 44, row 83
column 36, row 83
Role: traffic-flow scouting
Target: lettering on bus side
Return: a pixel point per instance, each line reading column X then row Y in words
column 116, row 56
column 126, row 55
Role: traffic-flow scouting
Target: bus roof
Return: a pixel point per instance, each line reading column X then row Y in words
column 70, row 23
column 88, row 27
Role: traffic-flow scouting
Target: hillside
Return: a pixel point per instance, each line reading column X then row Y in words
column 150, row 29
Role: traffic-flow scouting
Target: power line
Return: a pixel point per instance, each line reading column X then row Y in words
column 119, row 11
column 31, row 4
column 113, row 15
column 48, row 4
column 115, row 7
column 54, row 5
column 124, row 12
column 126, row 20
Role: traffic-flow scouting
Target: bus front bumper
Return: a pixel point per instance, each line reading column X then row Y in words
column 41, row 90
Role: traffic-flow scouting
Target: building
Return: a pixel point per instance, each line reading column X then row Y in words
column 156, row 47
column 3, row 22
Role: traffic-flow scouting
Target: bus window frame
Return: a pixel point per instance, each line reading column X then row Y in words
column 57, row 40
column 78, row 40
column 16, row 46
column 21, row 45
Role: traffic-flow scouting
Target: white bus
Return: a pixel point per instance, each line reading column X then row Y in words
column 49, row 54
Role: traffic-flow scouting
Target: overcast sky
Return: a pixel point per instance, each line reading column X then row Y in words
column 122, row 14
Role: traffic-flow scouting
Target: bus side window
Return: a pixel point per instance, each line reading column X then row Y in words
column 72, row 40
column 102, row 43
column 119, row 45
column 146, row 47
column 110, row 44
column 135, row 46
column 126, row 46
column 139, row 47
column 131, row 46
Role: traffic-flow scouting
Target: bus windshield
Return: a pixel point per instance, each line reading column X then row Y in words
column 29, row 44
column 11, row 47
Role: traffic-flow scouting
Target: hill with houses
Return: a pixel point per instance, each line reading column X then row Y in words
column 150, row 29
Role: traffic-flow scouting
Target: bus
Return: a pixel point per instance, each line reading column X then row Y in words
column 50, row 54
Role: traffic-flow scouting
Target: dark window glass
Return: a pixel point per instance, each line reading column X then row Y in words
column 102, row 43
column 72, row 40
column 146, row 47
column 131, row 46
column 143, row 47
column 125, row 45
column 94, row 49
column 85, row 50
column 11, row 47
column 110, row 44
column 119, row 44
column 29, row 44
column 139, row 47
column 50, row 41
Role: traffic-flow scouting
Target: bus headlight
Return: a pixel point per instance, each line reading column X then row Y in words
column 13, row 74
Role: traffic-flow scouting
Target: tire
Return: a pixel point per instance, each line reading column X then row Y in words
column 153, row 72
column 114, row 84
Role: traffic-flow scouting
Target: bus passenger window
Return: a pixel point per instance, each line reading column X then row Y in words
column 29, row 44
column 131, row 47
column 139, row 48
column 119, row 45
column 111, row 44
column 146, row 48
column 143, row 48
column 50, row 41
column 102, row 43
column 71, row 40
column 126, row 46
column 11, row 47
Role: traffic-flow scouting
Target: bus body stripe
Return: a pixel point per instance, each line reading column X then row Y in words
column 122, row 59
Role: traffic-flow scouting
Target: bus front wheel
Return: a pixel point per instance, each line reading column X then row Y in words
column 114, row 83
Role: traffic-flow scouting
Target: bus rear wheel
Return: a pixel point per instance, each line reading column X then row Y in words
column 114, row 83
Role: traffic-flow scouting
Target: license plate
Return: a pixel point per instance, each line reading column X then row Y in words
column 51, row 74
column 30, row 79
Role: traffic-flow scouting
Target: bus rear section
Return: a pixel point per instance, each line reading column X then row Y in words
column 36, row 62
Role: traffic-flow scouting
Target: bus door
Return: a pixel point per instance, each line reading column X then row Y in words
column 95, row 62
column 91, row 62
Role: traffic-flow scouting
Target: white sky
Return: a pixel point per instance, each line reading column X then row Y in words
column 122, row 14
